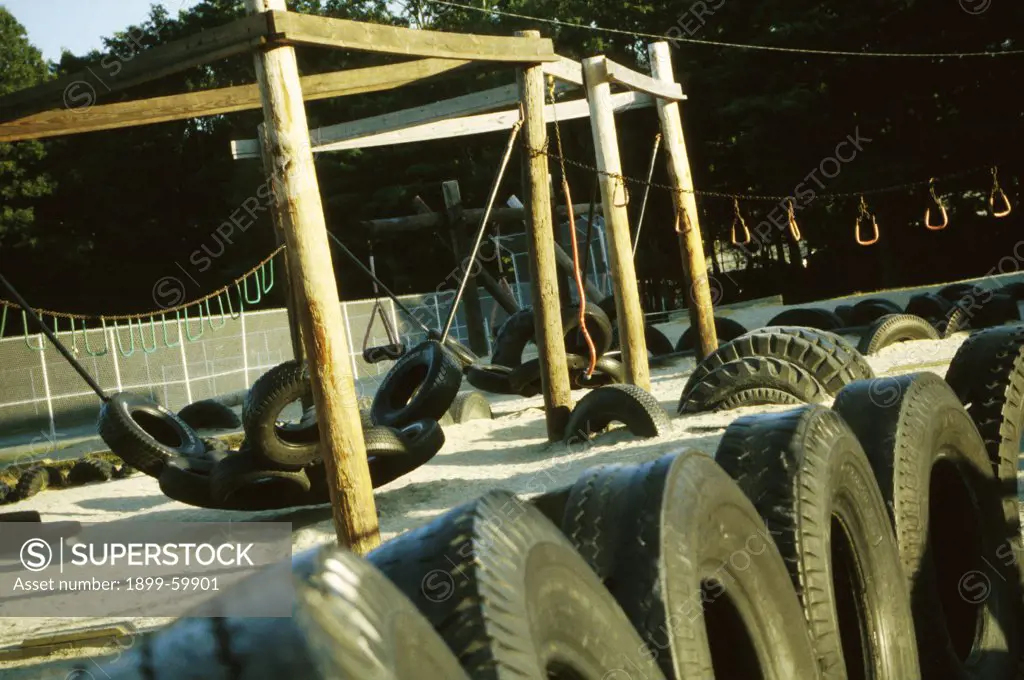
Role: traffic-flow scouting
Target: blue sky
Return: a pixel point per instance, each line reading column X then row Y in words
column 79, row 25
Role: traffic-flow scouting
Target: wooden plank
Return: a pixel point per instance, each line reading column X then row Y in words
column 344, row 450
column 691, row 246
column 472, row 125
column 566, row 70
column 65, row 121
column 304, row 29
column 619, row 74
column 554, row 371
column 620, row 246
column 81, row 90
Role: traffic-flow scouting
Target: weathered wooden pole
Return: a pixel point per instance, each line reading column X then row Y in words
column 691, row 246
column 620, row 244
column 540, row 234
column 344, row 451
column 460, row 246
column 278, row 217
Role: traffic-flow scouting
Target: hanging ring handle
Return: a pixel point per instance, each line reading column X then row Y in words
column 864, row 214
column 928, row 213
column 620, row 185
column 996, row 189
column 794, row 229
column 739, row 221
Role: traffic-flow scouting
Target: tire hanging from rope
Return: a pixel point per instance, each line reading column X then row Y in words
column 483, row 227
column 577, row 275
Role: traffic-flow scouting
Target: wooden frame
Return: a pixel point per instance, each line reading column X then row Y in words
column 220, row 101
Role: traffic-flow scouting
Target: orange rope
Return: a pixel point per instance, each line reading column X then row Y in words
column 579, row 280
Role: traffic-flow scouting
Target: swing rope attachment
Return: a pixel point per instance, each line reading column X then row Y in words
column 738, row 221
column 997, row 190
column 863, row 215
column 794, row 229
column 395, row 349
column 928, row 213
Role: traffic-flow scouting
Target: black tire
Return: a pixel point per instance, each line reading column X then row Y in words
column 421, row 385
column 830, row 365
column 384, row 441
column 746, row 374
column 290, row 446
column 90, row 470
column 243, row 481
column 144, row 434
column 658, row 344
column 759, row 396
column 56, row 479
column 470, row 406
column 607, row 305
column 856, row 360
column 1014, row 290
column 726, row 330
column 938, row 485
column 423, row 440
column 6, row 493
column 895, row 328
column 182, row 482
column 929, row 306
column 492, row 379
column 356, row 624
column 607, row 371
column 867, row 312
column 664, row 537
column 630, row 405
column 209, row 415
column 955, row 292
column 998, row 309
column 552, row 504
column 957, row 321
column 598, row 325
column 510, row 596
column 814, row 317
column 845, row 312
column 512, row 339
column 811, row 481
column 462, row 354
column 30, row 482
column 987, row 375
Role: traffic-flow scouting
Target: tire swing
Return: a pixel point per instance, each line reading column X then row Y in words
column 810, row 480
column 394, row 349
column 686, row 555
column 289, row 445
column 941, row 492
column 511, row 597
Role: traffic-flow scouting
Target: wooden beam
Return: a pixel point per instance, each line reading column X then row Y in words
column 341, row 433
column 540, row 233
column 466, row 126
column 691, row 245
column 304, row 29
column 619, row 74
column 81, row 90
column 65, row 121
column 620, row 246
column 565, row 70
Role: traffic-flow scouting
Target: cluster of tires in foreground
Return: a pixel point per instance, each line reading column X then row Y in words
column 877, row 539
column 279, row 464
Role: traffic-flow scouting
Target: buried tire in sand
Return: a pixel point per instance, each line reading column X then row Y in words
column 721, row 388
column 808, row 476
column 510, row 595
column 942, row 496
column 694, row 567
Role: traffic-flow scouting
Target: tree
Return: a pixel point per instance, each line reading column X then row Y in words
column 22, row 179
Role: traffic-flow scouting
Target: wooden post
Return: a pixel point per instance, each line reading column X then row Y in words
column 277, row 217
column 691, row 246
column 344, row 451
column 540, row 237
column 620, row 244
column 460, row 246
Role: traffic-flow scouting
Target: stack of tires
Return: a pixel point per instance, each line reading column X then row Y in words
column 509, row 374
column 853, row 542
column 773, row 365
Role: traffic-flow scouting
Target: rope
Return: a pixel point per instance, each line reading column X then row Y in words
column 647, row 192
column 580, row 288
column 716, row 43
column 147, row 315
column 483, row 227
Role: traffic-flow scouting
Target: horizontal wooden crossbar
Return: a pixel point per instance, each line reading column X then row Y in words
column 82, row 89
column 217, row 102
column 303, row 29
column 619, row 74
